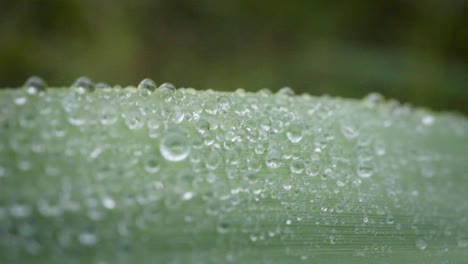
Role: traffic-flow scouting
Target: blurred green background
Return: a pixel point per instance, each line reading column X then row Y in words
column 414, row 51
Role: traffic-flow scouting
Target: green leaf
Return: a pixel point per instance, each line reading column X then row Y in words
column 183, row 176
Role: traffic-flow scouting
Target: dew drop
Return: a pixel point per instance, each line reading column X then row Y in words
column 332, row 240
column 295, row 133
column 134, row 119
column 462, row 242
column 365, row 170
column 108, row 202
column 273, row 159
column 34, row 84
column 350, row 132
column 421, row 244
column 83, row 84
column 87, row 239
column 108, row 116
column 223, row 227
column 147, row 84
column 174, row 147
column 213, row 160
column 203, row 126
column 427, row 120
column 167, row 86
column 223, row 103
column 20, row 210
column 287, row 91
column 101, row 85
column 297, row 166
column 152, row 165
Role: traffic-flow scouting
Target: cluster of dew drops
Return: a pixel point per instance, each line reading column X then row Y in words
column 226, row 148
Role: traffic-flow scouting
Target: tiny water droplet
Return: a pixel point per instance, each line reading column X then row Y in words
column 332, row 240
column 273, row 159
column 350, row 132
column 203, row 126
column 108, row 115
column 174, row 147
column 87, row 239
column 297, row 166
column 223, row 103
column 421, row 244
column 108, row 202
column 152, row 164
column 134, row 119
column 462, row 242
column 365, row 170
column 295, row 133
column 147, row 84
column 223, row 227
column 101, row 85
column 427, row 120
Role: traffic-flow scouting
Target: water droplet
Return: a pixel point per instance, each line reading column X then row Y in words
column 108, row 115
column 462, row 242
column 349, row 131
column 20, row 100
column 134, row 119
column 147, row 84
column 20, row 210
column 224, row 103
column 297, row 166
column 188, row 196
column 373, row 99
column 174, row 147
column 101, row 85
column 167, row 86
column 34, row 84
column 87, row 239
column 365, row 220
column 295, row 133
column 273, row 159
column 203, row 126
column 287, row 91
column 332, row 240
column 421, row 244
column 390, row 220
column 213, row 160
column 108, row 202
column 427, row 120
column 288, row 222
column 287, row 187
column 83, row 84
column 152, row 164
column 365, row 169
column 223, row 227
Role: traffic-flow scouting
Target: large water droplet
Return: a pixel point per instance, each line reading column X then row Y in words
column 83, row 84
column 174, row 147
column 147, row 84
column 34, row 84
